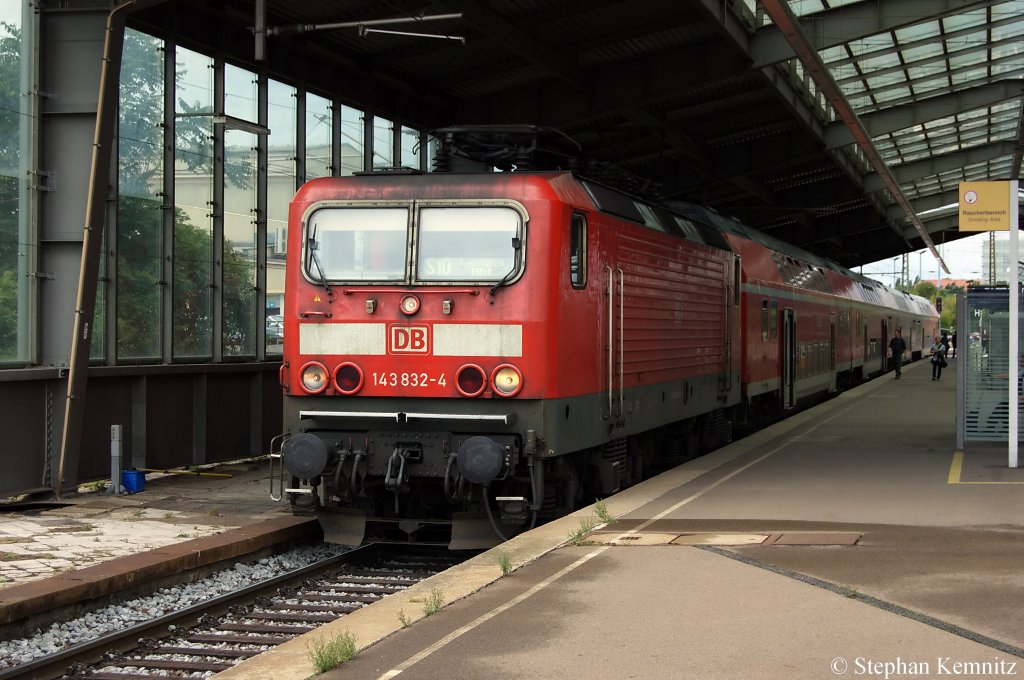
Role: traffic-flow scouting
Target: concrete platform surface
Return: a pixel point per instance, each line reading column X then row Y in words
column 875, row 560
column 91, row 527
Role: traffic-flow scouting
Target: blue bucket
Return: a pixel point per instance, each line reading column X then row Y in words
column 133, row 481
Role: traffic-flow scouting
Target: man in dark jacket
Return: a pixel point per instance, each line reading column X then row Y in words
column 898, row 347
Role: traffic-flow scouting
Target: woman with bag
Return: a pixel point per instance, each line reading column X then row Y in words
column 938, row 359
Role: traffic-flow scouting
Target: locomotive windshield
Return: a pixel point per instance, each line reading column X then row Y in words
column 455, row 244
column 466, row 244
column 358, row 244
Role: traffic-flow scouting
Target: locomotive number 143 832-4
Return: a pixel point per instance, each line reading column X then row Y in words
column 394, row 379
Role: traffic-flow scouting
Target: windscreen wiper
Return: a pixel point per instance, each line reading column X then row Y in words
column 516, row 245
column 312, row 245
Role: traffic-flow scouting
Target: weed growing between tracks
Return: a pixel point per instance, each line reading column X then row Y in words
column 327, row 654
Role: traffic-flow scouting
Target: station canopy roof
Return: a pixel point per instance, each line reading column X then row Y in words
column 841, row 126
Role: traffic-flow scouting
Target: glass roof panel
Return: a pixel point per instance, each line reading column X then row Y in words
column 875, row 62
column 938, row 123
column 970, row 59
column 803, row 7
column 947, row 55
column 886, row 80
column 1007, row 69
column 925, row 72
column 970, row 74
column 1003, row 33
column 854, row 87
column 861, row 103
column 863, row 47
column 955, row 22
column 925, row 29
column 831, row 54
column 883, row 96
column 920, row 52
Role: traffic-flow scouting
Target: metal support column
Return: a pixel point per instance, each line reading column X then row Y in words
column 92, row 242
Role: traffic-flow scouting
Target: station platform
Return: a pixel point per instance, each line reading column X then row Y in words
column 41, row 539
column 848, row 540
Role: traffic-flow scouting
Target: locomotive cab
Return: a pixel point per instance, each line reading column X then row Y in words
column 408, row 371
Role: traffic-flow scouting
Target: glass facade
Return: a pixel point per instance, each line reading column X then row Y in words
column 239, row 300
column 319, row 124
column 352, row 140
column 193, row 207
column 139, row 228
column 14, row 234
column 383, row 143
column 192, row 271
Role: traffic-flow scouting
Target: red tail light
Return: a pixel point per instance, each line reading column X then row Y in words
column 470, row 380
column 348, row 378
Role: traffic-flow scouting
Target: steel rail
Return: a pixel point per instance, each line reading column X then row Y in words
column 56, row 665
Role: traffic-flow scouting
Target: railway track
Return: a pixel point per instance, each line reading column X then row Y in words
column 205, row 639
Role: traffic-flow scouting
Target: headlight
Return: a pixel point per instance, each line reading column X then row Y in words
column 470, row 380
column 314, row 377
column 507, row 380
column 410, row 304
column 348, row 378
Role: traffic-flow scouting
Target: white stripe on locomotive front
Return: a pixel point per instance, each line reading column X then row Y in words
column 478, row 340
column 342, row 338
column 450, row 340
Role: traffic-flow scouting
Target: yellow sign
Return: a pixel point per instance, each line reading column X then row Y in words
column 985, row 206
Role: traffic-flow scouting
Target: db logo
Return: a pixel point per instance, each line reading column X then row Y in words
column 409, row 340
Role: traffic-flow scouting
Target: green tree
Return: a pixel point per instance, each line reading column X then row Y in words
column 925, row 289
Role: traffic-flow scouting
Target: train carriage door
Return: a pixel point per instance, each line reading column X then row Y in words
column 832, row 353
column 864, row 357
column 788, row 359
column 884, row 349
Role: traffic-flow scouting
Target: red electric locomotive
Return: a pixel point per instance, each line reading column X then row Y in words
column 465, row 353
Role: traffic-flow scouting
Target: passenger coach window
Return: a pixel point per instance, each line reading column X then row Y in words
column 773, row 320
column 764, row 321
column 468, row 244
column 578, row 251
column 357, row 244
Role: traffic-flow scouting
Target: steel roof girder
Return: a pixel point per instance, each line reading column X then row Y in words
column 926, row 203
column 789, row 26
column 850, row 22
column 908, row 172
column 924, row 110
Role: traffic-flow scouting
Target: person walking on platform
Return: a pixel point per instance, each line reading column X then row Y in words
column 952, row 345
column 938, row 359
column 898, row 347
